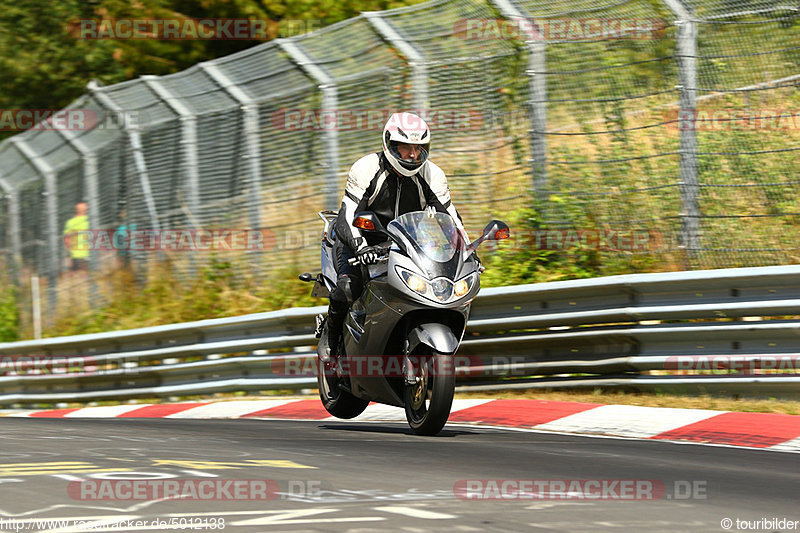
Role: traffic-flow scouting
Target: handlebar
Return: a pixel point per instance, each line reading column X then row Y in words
column 355, row 261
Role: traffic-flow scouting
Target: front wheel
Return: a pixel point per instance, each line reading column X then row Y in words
column 428, row 402
column 337, row 402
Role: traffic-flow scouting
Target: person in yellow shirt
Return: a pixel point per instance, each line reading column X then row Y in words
column 78, row 254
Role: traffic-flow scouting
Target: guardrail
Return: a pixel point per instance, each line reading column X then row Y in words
column 603, row 332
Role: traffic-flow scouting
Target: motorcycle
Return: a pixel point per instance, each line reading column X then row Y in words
column 401, row 335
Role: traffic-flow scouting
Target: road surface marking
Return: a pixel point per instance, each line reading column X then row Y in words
column 415, row 513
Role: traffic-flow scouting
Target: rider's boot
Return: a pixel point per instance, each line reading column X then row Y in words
column 337, row 311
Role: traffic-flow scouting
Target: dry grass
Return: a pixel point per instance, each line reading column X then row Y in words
column 647, row 400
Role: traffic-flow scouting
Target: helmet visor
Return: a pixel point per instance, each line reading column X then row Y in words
column 410, row 156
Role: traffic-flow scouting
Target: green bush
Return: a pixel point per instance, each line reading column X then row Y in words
column 9, row 313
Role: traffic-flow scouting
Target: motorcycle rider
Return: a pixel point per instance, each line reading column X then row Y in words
column 398, row 180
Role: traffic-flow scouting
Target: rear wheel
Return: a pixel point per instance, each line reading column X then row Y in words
column 337, row 402
column 428, row 402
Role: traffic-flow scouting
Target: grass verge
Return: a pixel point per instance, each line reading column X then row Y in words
column 644, row 399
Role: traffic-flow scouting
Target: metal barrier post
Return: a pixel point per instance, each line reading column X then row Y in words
column 250, row 115
column 538, row 104
column 188, row 143
column 687, row 62
column 416, row 60
column 330, row 101
column 13, row 227
column 53, row 241
column 135, row 141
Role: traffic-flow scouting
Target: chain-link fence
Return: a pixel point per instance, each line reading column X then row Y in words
column 659, row 130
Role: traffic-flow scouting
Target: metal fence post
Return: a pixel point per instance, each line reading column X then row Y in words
column 687, row 58
column 538, row 90
column 51, row 208
column 135, row 141
column 250, row 116
column 537, row 73
column 252, row 156
column 419, row 68
column 13, row 228
column 330, row 102
column 188, row 143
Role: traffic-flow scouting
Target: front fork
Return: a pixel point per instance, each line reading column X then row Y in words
column 319, row 329
column 409, row 372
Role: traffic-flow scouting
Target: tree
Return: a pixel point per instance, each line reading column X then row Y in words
column 45, row 64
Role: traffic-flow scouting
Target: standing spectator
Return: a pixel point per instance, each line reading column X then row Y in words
column 122, row 239
column 78, row 255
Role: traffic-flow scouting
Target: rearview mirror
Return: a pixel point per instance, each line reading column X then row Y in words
column 494, row 231
column 368, row 221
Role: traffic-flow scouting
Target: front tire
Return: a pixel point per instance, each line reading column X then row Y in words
column 336, row 401
column 428, row 402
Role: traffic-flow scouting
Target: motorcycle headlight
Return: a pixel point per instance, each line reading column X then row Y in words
column 414, row 282
column 461, row 287
column 440, row 289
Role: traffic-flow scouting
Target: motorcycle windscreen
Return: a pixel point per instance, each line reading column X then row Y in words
column 436, row 236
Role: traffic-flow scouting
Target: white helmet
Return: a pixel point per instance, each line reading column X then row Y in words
column 406, row 128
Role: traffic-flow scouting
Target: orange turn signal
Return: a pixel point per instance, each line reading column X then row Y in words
column 501, row 234
column 363, row 223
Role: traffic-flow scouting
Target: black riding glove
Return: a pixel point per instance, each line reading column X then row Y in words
column 370, row 255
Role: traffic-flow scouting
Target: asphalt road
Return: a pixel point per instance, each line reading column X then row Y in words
column 358, row 477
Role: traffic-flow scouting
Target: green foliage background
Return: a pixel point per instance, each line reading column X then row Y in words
column 43, row 65
column 9, row 313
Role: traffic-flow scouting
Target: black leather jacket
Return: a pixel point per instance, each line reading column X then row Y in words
column 372, row 185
